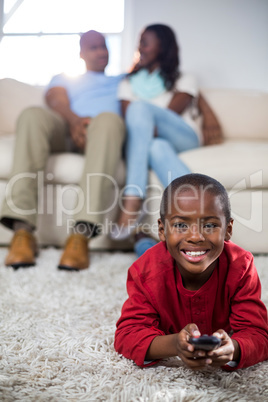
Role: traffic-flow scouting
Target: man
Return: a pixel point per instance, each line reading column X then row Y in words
column 83, row 116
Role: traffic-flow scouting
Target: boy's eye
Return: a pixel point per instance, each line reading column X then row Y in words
column 208, row 227
column 180, row 226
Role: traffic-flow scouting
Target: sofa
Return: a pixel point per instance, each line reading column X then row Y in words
column 240, row 163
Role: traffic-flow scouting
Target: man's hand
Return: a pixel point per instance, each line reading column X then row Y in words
column 57, row 99
column 78, row 130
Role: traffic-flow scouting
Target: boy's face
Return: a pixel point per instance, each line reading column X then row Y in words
column 194, row 230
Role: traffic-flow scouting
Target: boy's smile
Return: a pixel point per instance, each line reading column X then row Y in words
column 195, row 228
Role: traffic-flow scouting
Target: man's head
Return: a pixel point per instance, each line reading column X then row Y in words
column 93, row 51
column 195, row 221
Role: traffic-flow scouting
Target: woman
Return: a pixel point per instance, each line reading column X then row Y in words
column 160, row 108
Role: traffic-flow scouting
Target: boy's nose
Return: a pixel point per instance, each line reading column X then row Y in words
column 195, row 233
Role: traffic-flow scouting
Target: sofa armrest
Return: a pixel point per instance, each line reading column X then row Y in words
column 242, row 114
column 15, row 96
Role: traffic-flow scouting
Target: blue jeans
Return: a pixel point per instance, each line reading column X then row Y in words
column 144, row 151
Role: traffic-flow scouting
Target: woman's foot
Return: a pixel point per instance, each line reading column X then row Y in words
column 131, row 209
column 130, row 217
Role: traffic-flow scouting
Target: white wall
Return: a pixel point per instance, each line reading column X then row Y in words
column 223, row 42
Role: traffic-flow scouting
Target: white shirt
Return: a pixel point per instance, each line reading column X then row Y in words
column 185, row 83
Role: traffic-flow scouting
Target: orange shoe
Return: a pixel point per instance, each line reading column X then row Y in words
column 76, row 253
column 22, row 250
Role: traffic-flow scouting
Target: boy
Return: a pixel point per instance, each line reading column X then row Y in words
column 195, row 281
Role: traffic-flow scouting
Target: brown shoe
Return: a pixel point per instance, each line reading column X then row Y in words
column 22, row 250
column 76, row 254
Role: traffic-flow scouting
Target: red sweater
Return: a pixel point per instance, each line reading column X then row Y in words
column 158, row 304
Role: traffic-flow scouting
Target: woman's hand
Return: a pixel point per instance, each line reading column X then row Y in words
column 179, row 102
column 211, row 129
column 212, row 133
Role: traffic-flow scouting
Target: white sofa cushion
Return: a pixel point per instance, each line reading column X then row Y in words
column 15, row 96
column 7, row 143
column 232, row 162
column 241, row 113
column 67, row 168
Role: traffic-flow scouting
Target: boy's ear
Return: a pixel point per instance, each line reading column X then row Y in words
column 161, row 230
column 229, row 230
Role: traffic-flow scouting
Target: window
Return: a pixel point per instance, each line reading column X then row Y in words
column 40, row 38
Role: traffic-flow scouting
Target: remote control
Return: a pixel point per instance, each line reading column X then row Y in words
column 205, row 342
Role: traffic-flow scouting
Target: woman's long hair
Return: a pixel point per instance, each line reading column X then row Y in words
column 168, row 56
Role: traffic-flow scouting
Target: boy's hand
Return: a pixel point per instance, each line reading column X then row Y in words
column 229, row 350
column 194, row 359
column 198, row 359
column 178, row 345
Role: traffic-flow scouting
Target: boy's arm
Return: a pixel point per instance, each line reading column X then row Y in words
column 173, row 345
column 248, row 319
column 163, row 347
column 139, row 336
column 138, row 324
column 236, row 355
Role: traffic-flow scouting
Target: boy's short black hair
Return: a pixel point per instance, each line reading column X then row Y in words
column 196, row 181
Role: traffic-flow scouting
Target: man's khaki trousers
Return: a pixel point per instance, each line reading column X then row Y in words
column 41, row 132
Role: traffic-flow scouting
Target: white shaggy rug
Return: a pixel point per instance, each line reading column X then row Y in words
column 56, row 341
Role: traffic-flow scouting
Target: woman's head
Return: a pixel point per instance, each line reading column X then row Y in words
column 159, row 49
